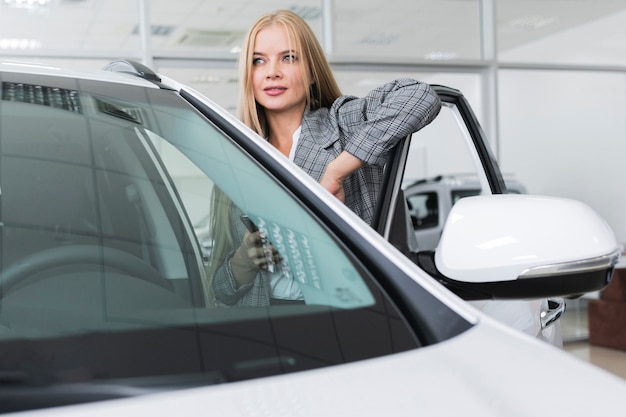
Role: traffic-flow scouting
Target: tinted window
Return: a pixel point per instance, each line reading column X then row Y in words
column 424, row 210
column 456, row 195
column 107, row 240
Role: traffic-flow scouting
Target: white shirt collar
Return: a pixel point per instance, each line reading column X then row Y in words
column 295, row 138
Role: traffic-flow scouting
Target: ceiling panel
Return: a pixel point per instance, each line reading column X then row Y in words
column 365, row 29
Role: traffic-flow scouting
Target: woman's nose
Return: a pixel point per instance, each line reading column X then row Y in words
column 272, row 71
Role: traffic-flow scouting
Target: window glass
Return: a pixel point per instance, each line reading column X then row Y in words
column 442, row 166
column 444, row 30
column 424, row 210
column 300, row 241
column 456, row 195
column 108, row 261
column 588, row 33
column 442, row 149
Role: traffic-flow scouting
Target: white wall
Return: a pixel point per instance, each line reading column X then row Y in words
column 563, row 133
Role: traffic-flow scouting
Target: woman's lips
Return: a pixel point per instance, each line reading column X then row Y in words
column 274, row 91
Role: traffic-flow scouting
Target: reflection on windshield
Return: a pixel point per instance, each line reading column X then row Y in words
column 308, row 255
column 106, row 269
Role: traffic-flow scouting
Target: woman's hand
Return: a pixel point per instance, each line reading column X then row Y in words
column 334, row 186
column 254, row 254
column 337, row 171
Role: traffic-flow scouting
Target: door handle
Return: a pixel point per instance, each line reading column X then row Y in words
column 556, row 307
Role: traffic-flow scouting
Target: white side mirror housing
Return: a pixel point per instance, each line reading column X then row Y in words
column 505, row 238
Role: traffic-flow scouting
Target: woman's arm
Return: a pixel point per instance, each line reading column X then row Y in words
column 234, row 273
column 374, row 124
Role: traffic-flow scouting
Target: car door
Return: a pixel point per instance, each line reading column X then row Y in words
column 453, row 147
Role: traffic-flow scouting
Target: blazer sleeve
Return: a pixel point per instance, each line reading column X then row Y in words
column 372, row 125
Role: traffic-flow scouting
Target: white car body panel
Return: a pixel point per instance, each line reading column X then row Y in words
column 437, row 380
column 108, row 76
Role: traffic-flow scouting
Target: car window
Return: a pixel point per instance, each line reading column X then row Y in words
column 442, row 162
column 443, row 149
column 456, row 195
column 424, row 210
column 107, row 241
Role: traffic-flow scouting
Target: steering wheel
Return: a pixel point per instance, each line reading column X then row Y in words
column 80, row 254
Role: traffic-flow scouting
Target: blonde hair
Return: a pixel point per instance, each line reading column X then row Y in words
column 316, row 71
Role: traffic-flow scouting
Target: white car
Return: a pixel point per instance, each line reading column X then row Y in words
column 106, row 177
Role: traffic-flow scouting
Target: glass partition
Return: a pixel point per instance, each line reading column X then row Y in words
column 199, row 27
column 583, row 33
column 439, row 31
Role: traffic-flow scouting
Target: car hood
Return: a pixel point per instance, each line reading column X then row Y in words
column 488, row 371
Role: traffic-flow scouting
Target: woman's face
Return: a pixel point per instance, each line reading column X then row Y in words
column 277, row 79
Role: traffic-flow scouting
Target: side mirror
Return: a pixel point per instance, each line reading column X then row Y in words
column 524, row 246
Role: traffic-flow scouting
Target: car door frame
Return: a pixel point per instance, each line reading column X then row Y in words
column 391, row 217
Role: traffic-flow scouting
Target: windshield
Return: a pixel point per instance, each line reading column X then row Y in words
column 110, row 207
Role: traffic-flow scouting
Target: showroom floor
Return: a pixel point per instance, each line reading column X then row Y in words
column 575, row 332
column 612, row 360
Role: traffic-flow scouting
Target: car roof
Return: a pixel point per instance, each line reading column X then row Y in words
column 97, row 75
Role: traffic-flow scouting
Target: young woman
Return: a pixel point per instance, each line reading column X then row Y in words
column 289, row 96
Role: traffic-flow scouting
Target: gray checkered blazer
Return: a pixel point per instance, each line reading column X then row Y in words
column 368, row 128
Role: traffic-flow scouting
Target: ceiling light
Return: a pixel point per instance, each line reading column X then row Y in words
column 211, row 38
column 27, row 3
column 157, row 30
column 532, row 22
column 19, row 44
column 206, row 79
column 440, row 56
column 379, row 38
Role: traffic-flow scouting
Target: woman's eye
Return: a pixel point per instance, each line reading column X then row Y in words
column 290, row 58
column 257, row 61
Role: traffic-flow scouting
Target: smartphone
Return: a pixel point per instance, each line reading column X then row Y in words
column 248, row 223
column 267, row 248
